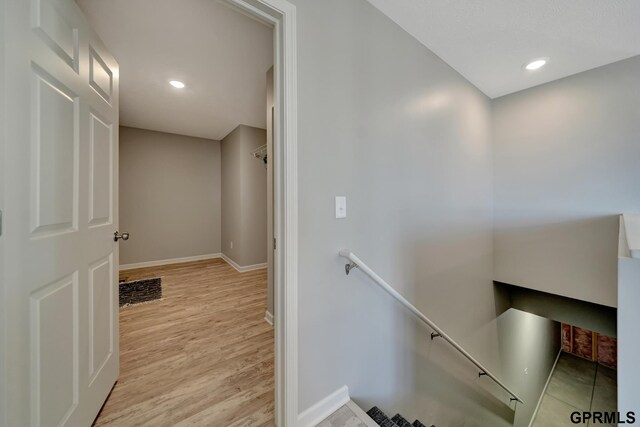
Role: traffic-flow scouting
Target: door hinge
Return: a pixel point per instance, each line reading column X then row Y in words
column 274, row 244
column 0, row 223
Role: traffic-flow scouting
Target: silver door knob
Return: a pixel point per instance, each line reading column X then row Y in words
column 117, row 236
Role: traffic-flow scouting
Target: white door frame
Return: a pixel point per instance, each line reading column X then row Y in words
column 282, row 16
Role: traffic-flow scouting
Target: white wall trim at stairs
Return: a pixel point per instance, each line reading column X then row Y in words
column 168, row 261
column 240, row 268
column 327, row 406
column 364, row 417
column 268, row 317
column 544, row 390
column 632, row 230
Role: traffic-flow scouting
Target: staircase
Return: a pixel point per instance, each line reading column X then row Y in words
column 375, row 415
column 397, row 421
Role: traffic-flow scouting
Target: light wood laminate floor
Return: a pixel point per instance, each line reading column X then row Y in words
column 201, row 356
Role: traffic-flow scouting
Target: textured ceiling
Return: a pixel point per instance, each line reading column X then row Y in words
column 489, row 41
column 221, row 55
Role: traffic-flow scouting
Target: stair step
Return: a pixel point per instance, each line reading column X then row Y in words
column 398, row 420
column 401, row 421
column 376, row 414
column 361, row 414
column 380, row 417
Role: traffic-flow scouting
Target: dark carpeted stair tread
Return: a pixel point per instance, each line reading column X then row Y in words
column 398, row 420
column 377, row 415
column 401, row 421
column 380, row 417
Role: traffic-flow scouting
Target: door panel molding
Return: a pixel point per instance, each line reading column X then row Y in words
column 100, row 76
column 54, row 155
column 55, row 32
column 100, row 187
column 49, row 393
column 101, row 287
column 59, row 328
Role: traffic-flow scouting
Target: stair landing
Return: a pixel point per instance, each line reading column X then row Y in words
column 349, row 415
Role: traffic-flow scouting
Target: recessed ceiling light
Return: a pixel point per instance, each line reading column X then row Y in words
column 176, row 84
column 535, row 64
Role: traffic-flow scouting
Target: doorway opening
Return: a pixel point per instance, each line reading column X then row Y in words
column 197, row 153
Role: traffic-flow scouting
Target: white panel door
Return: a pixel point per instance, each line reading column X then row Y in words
column 60, row 172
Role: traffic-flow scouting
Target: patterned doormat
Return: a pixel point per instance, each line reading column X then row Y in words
column 138, row 291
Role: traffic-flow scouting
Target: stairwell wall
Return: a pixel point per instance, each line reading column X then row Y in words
column 566, row 166
column 385, row 122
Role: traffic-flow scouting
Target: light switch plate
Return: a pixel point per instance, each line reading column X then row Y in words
column 341, row 207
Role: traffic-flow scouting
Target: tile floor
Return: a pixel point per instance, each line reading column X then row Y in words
column 576, row 385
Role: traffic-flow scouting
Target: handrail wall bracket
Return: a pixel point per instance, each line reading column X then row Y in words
column 349, row 267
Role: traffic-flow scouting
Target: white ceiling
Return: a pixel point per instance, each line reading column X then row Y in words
column 489, row 41
column 221, row 55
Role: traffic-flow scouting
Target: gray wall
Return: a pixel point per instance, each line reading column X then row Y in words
column 231, row 154
column 244, row 197
column 566, row 164
column 385, row 122
column 588, row 315
column 169, row 195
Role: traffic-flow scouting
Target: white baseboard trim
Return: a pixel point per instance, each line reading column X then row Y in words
column 321, row 410
column 268, row 317
column 241, row 269
column 544, row 390
column 168, row 261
